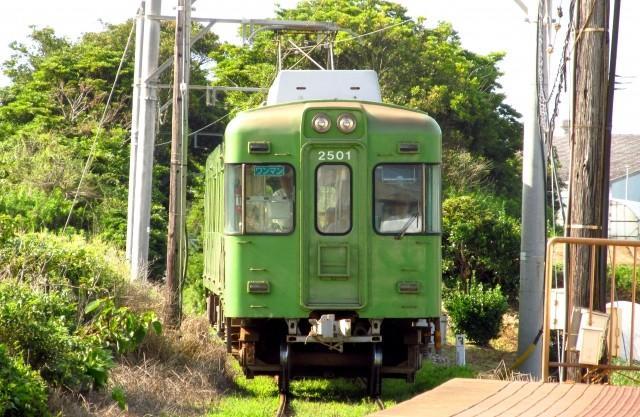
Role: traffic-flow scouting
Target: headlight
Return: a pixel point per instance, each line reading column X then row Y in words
column 321, row 123
column 346, row 123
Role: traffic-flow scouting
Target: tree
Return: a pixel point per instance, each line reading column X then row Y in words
column 480, row 239
column 426, row 69
column 49, row 122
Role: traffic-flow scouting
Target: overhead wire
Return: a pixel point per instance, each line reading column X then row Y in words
column 547, row 125
column 90, row 157
column 374, row 31
column 209, row 125
column 559, row 84
column 382, row 29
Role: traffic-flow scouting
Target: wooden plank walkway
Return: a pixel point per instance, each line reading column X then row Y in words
column 483, row 397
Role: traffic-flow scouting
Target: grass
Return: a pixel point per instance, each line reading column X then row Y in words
column 188, row 373
column 179, row 373
column 625, row 378
column 347, row 398
column 328, row 398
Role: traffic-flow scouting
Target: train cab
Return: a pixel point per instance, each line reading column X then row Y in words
column 322, row 231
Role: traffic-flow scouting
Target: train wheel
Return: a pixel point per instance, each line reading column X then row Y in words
column 374, row 386
column 285, row 368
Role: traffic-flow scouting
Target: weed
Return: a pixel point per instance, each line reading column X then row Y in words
column 328, row 398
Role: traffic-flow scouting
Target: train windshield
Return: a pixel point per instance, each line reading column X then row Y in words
column 407, row 198
column 268, row 194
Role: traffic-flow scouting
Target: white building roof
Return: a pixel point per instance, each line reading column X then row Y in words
column 298, row 85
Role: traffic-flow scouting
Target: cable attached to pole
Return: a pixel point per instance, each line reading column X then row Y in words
column 89, row 161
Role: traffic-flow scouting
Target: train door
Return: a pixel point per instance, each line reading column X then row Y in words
column 333, row 225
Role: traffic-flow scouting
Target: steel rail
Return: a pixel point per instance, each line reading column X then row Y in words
column 282, row 405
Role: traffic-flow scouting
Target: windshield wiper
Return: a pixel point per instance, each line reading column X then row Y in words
column 407, row 224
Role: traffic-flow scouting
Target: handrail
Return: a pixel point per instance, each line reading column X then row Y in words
column 592, row 243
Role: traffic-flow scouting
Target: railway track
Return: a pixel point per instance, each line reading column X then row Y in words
column 282, row 405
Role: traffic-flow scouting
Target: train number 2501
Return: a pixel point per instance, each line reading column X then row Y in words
column 334, row 155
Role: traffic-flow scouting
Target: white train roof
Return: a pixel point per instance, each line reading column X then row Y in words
column 298, row 85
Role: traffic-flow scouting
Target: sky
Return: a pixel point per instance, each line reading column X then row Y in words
column 484, row 26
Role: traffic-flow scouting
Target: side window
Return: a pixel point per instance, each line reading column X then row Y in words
column 233, row 199
column 259, row 198
column 399, row 198
column 269, row 198
column 333, row 199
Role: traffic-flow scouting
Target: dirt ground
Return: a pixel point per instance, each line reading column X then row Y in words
column 500, row 353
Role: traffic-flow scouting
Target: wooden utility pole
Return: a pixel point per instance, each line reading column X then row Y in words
column 587, row 156
column 176, row 244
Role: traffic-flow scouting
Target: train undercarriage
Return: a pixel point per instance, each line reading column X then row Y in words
column 327, row 344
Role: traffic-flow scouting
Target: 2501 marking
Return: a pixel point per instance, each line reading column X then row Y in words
column 334, row 155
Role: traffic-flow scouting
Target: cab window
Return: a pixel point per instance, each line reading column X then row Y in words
column 333, row 199
column 259, row 199
column 406, row 199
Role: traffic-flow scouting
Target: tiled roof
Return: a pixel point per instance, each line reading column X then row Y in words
column 625, row 152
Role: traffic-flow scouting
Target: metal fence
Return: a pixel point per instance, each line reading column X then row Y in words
column 601, row 341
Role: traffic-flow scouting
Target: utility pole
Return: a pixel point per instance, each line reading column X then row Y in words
column 532, row 248
column 144, row 118
column 176, row 244
column 587, row 156
column 147, row 116
column 135, row 112
column 611, row 87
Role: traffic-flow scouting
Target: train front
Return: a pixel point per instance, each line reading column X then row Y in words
column 330, row 241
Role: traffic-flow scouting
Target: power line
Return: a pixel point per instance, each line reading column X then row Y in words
column 382, row 29
column 209, row 125
column 374, row 31
column 87, row 165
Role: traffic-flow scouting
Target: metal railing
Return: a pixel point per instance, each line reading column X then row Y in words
column 580, row 320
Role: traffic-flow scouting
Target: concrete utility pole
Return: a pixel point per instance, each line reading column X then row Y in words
column 532, row 249
column 135, row 112
column 176, row 244
column 587, row 156
column 143, row 128
column 145, row 144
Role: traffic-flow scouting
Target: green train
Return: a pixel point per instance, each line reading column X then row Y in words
column 322, row 232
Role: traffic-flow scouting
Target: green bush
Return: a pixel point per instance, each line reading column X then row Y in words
column 476, row 312
column 70, row 265
column 193, row 294
column 624, row 281
column 33, row 209
column 7, row 228
column 480, row 239
column 41, row 327
column 119, row 328
column 23, row 393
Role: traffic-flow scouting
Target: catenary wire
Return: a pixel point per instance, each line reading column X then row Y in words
column 89, row 160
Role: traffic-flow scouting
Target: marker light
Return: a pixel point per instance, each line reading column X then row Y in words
column 346, row 123
column 321, row 123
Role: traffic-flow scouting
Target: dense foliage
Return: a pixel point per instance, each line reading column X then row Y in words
column 50, row 128
column 69, row 265
column 41, row 328
column 480, row 239
column 23, row 393
column 476, row 311
column 61, row 312
column 418, row 67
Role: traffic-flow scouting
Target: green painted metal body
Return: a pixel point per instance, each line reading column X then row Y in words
column 371, row 265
